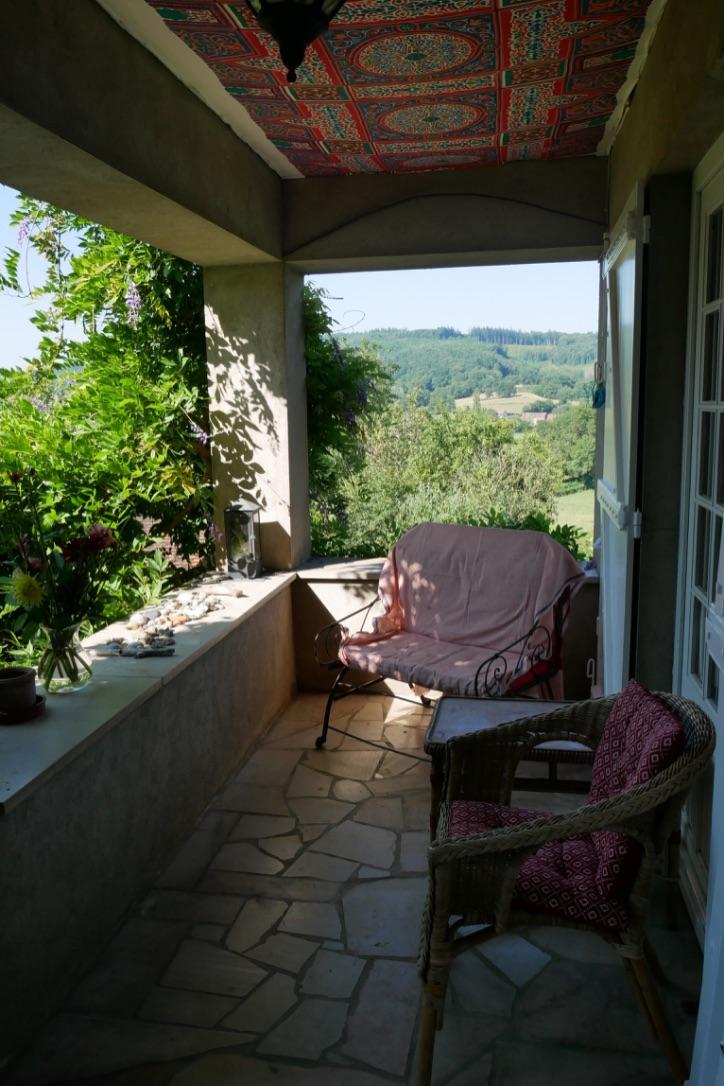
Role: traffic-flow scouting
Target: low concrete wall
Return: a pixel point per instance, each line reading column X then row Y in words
column 84, row 844
column 325, row 591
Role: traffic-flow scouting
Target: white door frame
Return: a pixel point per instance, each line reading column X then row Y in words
column 616, row 482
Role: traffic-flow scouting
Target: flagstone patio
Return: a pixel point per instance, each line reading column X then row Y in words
column 279, row 945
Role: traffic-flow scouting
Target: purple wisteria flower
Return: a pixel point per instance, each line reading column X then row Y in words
column 214, row 531
column 23, row 230
column 350, row 418
column 198, row 433
column 362, row 394
column 133, row 304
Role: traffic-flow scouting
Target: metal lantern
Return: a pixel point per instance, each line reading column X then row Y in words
column 294, row 24
column 242, row 529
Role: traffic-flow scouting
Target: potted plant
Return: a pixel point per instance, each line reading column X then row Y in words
column 18, row 699
column 59, row 580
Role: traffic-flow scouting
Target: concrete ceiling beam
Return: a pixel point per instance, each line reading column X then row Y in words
column 95, row 123
column 523, row 211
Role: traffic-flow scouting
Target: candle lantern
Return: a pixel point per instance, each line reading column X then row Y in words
column 242, row 529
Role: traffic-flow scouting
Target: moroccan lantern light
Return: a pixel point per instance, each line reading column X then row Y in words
column 243, row 538
column 294, row 24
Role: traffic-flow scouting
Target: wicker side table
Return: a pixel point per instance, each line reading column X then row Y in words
column 459, row 715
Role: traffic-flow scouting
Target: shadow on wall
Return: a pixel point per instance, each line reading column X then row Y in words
column 242, row 420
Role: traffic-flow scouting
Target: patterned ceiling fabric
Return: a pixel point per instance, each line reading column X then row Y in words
column 408, row 85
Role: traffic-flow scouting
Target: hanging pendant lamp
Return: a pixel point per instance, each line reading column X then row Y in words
column 294, row 24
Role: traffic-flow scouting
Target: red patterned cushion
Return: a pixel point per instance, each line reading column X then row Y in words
column 559, row 879
column 562, row 879
column 641, row 737
column 469, row 816
column 587, row 879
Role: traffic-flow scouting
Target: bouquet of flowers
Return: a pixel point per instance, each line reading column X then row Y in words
column 57, row 579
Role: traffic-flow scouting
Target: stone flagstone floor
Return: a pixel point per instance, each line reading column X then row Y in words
column 279, row 946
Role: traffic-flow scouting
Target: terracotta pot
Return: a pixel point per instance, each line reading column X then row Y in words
column 17, row 690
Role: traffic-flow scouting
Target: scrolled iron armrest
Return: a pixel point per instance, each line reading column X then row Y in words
column 535, row 647
column 327, row 641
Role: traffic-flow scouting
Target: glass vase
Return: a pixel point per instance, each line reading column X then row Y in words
column 64, row 665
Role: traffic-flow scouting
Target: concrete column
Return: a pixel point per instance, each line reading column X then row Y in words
column 255, row 352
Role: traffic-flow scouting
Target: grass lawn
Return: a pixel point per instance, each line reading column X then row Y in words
column 577, row 509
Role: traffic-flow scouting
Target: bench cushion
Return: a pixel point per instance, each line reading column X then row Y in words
column 425, row 661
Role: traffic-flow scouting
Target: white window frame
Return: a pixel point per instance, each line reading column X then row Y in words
column 706, row 171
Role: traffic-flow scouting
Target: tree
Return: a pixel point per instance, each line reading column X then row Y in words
column 570, row 438
column 346, row 388
column 448, row 466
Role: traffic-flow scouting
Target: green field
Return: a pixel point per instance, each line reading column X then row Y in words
column 577, row 509
column 524, row 400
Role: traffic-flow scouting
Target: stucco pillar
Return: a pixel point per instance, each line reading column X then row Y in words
column 255, row 353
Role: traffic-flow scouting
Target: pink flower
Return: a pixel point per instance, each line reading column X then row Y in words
column 133, row 304
column 100, row 537
column 76, row 550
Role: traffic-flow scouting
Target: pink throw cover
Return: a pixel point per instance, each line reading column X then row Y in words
column 454, row 595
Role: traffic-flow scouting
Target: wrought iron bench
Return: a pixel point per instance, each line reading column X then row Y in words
column 470, row 611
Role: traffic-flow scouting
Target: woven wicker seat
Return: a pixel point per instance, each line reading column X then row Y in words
column 497, row 866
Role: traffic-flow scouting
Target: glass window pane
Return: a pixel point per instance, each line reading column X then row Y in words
column 713, row 257
column 706, row 453
column 720, row 464
column 712, row 681
column 710, row 358
column 696, row 639
column 715, row 557
column 701, row 565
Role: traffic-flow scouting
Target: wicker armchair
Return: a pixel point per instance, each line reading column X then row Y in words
column 476, row 877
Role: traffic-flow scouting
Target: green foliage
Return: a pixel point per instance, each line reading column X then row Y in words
column 568, row 535
column 346, row 388
column 114, row 422
column 379, row 467
column 570, row 437
column 446, row 466
column 126, row 296
column 442, row 364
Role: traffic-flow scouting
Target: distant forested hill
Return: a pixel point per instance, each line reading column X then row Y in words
column 445, row 364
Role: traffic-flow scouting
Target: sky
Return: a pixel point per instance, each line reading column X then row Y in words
column 532, row 297
column 18, row 337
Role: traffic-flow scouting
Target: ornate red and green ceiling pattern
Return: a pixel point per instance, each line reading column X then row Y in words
column 405, row 85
